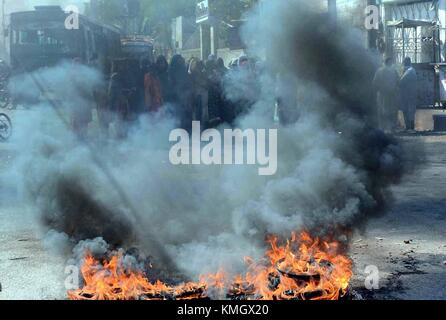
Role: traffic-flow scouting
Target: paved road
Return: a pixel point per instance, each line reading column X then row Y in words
column 27, row 271
column 408, row 245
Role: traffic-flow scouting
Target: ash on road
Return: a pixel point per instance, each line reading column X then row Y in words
column 408, row 244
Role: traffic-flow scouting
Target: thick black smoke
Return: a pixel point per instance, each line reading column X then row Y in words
column 334, row 166
column 332, row 71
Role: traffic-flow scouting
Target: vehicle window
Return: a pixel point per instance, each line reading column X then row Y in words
column 42, row 37
column 26, row 37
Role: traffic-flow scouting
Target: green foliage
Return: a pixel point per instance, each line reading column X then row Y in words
column 108, row 11
column 164, row 11
column 156, row 15
column 168, row 9
column 229, row 13
column 229, row 10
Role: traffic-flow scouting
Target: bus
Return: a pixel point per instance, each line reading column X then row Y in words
column 40, row 38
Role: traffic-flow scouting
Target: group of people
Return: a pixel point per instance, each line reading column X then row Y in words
column 190, row 90
column 208, row 92
column 396, row 93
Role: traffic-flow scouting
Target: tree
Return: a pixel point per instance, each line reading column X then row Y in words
column 159, row 14
column 154, row 19
column 229, row 15
column 162, row 11
column 107, row 11
column 231, row 10
column 156, row 16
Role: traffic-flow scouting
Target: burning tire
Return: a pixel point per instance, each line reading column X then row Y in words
column 302, row 268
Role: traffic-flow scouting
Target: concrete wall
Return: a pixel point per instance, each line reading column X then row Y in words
column 229, row 55
column 225, row 53
column 190, row 53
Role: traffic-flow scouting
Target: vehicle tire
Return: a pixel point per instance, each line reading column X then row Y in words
column 5, row 127
column 4, row 100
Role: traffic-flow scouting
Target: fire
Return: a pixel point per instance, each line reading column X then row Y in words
column 109, row 280
column 301, row 269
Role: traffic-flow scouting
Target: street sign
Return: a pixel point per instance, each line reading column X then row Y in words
column 202, row 11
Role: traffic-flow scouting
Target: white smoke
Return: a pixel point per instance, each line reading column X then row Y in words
column 208, row 218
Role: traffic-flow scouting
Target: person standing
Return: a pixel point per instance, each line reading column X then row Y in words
column 119, row 105
column 200, row 89
column 409, row 94
column 216, row 73
column 180, row 91
column 162, row 71
column 220, row 67
column 386, row 82
column 152, row 91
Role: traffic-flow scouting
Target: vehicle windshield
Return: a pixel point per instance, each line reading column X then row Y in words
column 136, row 49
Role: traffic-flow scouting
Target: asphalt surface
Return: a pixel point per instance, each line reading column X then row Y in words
column 27, row 270
column 407, row 246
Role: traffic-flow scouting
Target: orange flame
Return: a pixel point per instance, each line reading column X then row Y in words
column 302, row 269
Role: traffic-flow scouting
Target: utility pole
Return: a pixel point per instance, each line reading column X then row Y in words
column 3, row 22
column 332, row 9
column 203, row 18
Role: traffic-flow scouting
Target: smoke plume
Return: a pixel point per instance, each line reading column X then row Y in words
column 334, row 166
